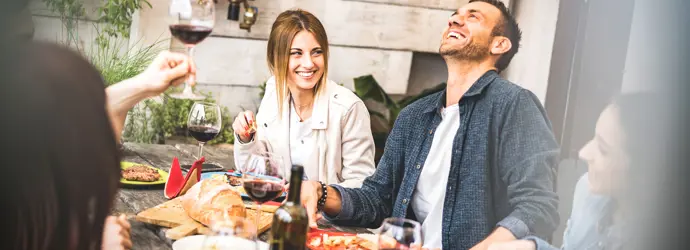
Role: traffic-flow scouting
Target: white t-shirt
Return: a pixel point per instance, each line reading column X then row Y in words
column 301, row 145
column 430, row 193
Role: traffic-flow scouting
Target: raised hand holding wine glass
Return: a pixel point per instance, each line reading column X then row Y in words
column 204, row 123
column 193, row 22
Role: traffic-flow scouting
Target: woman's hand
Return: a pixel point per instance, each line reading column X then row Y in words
column 116, row 233
column 245, row 126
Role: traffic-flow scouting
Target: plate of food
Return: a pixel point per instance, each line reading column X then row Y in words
column 234, row 179
column 141, row 174
column 323, row 240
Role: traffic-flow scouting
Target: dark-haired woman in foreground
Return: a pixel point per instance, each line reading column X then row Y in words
column 61, row 162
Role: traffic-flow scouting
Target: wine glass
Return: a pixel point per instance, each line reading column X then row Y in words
column 229, row 232
column 263, row 177
column 400, row 233
column 193, row 22
column 204, row 123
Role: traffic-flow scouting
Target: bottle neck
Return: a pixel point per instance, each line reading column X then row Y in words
column 295, row 187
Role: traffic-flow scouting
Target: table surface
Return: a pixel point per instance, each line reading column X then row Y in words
column 131, row 201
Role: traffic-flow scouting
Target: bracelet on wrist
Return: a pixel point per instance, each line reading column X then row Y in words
column 324, row 195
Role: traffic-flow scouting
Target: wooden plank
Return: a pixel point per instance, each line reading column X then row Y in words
column 150, row 25
column 130, row 201
column 160, row 156
column 234, row 61
column 390, row 68
column 351, row 23
column 230, row 61
column 51, row 29
column 171, row 214
column 212, row 155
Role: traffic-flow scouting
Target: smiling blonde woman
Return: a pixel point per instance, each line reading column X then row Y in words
column 307, row 119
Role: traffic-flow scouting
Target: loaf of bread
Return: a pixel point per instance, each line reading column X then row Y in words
column 212, row 199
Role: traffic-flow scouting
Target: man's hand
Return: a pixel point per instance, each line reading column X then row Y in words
column 501, row 234
column 116, row 233
column 310, row 196
column 514, row 245
column 167, row 69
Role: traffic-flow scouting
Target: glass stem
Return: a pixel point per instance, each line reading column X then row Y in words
column 257, row 217
column 201, row 149
column 187, row 85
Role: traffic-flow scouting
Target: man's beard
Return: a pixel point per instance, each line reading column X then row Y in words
column 475, row 51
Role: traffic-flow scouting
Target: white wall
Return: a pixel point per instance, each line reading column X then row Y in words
column 531, row 65
column 641, row 58
column 529, row 68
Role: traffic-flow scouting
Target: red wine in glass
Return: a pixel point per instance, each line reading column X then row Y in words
column 190, row 34
column 202, row 133
column 262, row 191
column 204, row 123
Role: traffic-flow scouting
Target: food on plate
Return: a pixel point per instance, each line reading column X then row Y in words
column 212, row 199
column 220, row 177
column 140, row 173
column 234, row 180
column 346, row 242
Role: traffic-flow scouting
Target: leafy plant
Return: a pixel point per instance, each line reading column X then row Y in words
column 70, row 11
column 262, row 88
column 368, row 89
column 153, row 121
column 117, row 61
column 116, row 15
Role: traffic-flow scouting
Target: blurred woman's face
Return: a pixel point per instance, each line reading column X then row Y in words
column 605, row 154
column 306, row 65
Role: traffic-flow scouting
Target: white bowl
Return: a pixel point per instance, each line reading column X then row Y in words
column 195, row 242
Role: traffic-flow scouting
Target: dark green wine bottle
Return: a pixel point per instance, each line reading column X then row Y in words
column 290, row 221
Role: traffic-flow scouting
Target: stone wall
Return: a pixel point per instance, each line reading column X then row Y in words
column 395, row 40
column 49, row 27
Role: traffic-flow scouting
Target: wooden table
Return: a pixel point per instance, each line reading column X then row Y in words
column 134, row 200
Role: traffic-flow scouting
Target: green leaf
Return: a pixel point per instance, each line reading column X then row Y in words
column 367, row 88
column 410, row 99
column 377, row 114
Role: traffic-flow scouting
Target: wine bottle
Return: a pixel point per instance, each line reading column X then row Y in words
column 290, row 221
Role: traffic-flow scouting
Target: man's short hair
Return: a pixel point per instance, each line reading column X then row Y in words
column 507, row 27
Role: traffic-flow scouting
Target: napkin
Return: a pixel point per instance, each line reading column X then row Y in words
column 177, row 184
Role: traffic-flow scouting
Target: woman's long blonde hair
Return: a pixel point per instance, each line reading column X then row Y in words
column 284, row 30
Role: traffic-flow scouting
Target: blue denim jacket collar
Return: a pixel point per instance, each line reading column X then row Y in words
column 476, row 89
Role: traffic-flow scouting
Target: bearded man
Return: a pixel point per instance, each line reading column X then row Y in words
column 475, row 163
